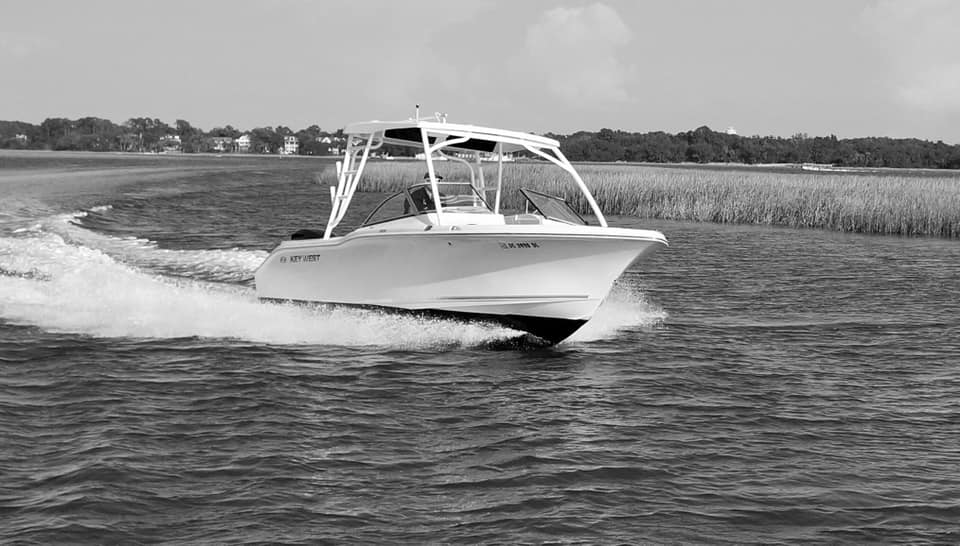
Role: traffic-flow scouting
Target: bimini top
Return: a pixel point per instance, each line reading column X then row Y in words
column 478, row 139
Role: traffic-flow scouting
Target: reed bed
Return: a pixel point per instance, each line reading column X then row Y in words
column 884, row 204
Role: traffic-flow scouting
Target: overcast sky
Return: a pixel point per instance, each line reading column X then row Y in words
column 769, row 67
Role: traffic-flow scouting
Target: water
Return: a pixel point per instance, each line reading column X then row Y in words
column 746, row 385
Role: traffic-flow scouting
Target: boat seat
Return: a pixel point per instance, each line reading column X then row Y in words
column 523, row 219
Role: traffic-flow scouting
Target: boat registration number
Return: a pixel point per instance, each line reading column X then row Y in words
column 518, row 244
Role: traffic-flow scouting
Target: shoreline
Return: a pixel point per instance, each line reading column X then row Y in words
column 154, row 156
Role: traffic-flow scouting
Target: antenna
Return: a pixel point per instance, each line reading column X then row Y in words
column 418, row 112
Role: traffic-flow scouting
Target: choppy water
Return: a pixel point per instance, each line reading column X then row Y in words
column 746, row 385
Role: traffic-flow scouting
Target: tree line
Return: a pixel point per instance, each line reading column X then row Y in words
column 152, row 135
column 704, row 145
column 701, row 145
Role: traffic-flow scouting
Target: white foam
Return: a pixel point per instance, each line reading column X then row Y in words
column 63, row 287
column 34, row 228
column 624, row 308
column 225, row 265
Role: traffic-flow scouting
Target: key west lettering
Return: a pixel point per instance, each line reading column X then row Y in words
column 301, row 259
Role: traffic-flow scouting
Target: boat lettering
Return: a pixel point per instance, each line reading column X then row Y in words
column 301, row 259
column 518, row 244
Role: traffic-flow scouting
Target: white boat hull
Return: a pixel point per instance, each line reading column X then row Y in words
column 544, row 281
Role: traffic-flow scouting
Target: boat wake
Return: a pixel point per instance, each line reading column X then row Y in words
column 62, row 277
column 230, row 265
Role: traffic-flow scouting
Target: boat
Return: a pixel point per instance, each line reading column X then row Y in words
column 446, row 247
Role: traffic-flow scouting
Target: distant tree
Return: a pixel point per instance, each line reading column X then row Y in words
column 700, row 152
column 191, row 138
column 227, row 131
column 265, row 140
column 309, row 141
column 20, row 134
column 148, row 132
column 91, row 134
column 127, row 141
column 951, row 160
column 313, row 147
column 54, row 129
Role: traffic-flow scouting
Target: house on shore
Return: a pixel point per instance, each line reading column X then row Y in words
column 243, row 143
column 222, row 144
column 334, row 145
column 170, row 143
column 291, row 145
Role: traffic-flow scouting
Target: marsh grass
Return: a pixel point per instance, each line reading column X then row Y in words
column 885, row 203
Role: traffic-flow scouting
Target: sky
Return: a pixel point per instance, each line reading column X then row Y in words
column 849, row 68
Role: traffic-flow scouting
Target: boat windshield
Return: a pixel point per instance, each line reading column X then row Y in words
column 393, row 207
column 554, row 208
column 418, row 199
column 458, row 196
